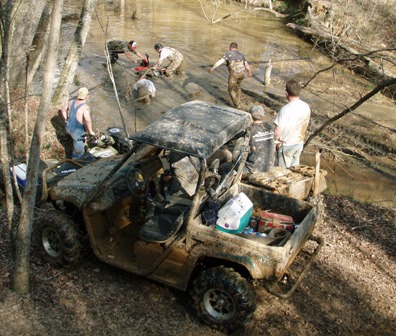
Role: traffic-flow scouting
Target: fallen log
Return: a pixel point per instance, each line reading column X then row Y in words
column 277, row 14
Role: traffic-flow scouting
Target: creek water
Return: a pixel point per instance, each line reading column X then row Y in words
column 182, row 24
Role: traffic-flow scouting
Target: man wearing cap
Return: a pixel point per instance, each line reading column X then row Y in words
column 261, row 157
column 236, row 64
column 77, row 115
column 116, row 47
column 174, row 57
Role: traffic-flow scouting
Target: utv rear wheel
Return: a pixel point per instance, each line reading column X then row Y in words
column 58, row 239
column 223, row 299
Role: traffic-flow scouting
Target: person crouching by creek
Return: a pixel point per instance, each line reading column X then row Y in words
column 174, row 57
column 77, row 115
column 144, row 89
column 291, row 126
column 116, row 47
column 236, row 64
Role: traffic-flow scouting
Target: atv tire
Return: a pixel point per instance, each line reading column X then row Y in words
column 58, row 239
column 223, row 299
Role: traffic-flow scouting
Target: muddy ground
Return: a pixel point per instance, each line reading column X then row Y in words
column 348, row 291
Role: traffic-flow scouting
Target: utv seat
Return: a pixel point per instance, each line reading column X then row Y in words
column 165, row 223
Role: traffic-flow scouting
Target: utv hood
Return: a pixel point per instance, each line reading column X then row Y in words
column 76, row 187
column 196, row 128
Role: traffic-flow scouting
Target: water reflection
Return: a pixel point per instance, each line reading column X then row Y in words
column 183, row 24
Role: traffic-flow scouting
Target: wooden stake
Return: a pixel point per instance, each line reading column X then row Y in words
column 317, row 174
column 267, row 74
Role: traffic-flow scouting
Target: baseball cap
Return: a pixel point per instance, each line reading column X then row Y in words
column 257, row 112
column 82, row 93
column 132, row 44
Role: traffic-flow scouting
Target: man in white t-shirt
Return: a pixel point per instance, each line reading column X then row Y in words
column 174, row 57
column 144, row 88
column 291, row 126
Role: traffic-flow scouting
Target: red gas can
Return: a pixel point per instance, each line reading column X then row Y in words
column 269, row 220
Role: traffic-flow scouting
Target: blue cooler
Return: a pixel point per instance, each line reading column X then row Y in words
column 235, row 215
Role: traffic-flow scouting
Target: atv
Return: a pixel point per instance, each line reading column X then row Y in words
column 108, row 143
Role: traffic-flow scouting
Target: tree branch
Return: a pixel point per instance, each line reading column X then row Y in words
column 379, row 88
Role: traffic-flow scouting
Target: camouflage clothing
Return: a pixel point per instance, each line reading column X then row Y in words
column 235, row 62
column 116, row 47
column 175, row 59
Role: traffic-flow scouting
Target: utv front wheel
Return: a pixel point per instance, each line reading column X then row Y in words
column 58, row 239
column 223, row 299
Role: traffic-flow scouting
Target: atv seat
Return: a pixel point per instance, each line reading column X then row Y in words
column 165, row 223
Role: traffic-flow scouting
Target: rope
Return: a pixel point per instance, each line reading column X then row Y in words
column 110, row 71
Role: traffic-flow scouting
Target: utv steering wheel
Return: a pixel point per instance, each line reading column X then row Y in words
column 137, row 182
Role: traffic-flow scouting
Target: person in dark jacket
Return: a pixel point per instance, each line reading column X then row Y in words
column 262, row 156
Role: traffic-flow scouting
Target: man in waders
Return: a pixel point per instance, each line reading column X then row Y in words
column 174, row 57
column 236, row 64
column 77, row 115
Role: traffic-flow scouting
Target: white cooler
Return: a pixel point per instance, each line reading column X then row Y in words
column 20, row 172
column 234, row 216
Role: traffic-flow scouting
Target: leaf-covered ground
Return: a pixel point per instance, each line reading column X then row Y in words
column 348, row 291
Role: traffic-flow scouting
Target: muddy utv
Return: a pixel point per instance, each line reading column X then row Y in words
column 156, row 212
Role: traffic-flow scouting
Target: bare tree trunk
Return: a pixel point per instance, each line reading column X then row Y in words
column 380, row 87
column 22, row 244
column 5, row 166
column 6, row 33
column 39, row 44
column 61, row 94
column 26, row 16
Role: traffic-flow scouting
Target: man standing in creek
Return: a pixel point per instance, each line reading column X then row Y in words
column 236, row 64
